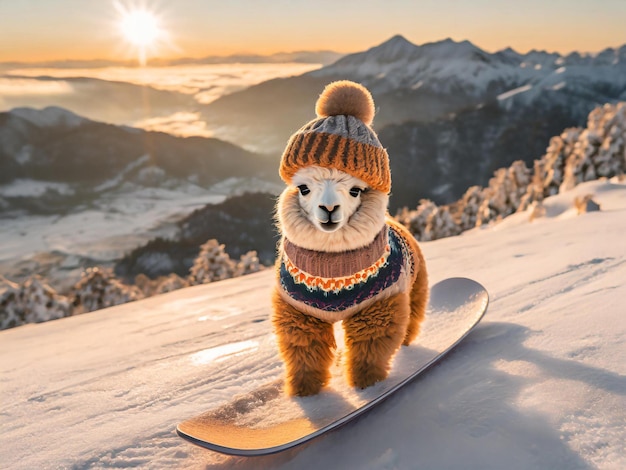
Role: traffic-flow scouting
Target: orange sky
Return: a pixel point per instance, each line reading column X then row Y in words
column 38, row 30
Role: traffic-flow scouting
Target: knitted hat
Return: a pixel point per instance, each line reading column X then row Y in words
column 341, row 138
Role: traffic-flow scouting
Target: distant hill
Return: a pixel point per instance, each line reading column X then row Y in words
column 104, row 100
column 305, row 57
column 242, row 223
column 76, row 160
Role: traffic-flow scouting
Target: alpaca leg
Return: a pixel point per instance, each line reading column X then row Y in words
column 373, row 336
column 306, row 346
column 419, row 300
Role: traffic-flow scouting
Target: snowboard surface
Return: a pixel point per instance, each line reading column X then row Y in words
column 265, row 421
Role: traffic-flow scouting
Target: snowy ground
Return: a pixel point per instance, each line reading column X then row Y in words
column 58, row 246
column 541, row 383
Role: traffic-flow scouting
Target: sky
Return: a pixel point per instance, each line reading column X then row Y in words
column 45, row 30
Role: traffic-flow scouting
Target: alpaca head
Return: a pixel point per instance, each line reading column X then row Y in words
column 337, row 173
column 327, row 209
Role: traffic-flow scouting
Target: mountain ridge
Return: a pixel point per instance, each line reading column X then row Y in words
column 434, row 90
column 91, row 158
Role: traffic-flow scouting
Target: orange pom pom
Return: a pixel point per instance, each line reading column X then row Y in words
column 346, row 98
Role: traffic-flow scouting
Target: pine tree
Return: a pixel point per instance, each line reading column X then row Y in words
column 100, row 288
column 417, row 220
column 440, row 224
column 170, row 283
column 212, row 264
column 505, row 193
column 248, row 263
column 468, row 206
column 33, row 301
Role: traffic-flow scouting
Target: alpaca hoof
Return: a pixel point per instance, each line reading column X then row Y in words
column 369, row 378
column 304, row 388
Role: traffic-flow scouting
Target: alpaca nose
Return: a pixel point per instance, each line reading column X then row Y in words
column 329, row 208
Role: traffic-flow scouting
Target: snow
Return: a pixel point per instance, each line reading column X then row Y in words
column 448, row 66
column 24, row 187
column 515, row 91
column 115, row 224
column 121, row 176
column 540, row 383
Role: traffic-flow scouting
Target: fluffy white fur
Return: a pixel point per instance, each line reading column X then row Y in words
column 354, row 221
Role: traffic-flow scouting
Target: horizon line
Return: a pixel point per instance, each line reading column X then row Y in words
column 167, row 58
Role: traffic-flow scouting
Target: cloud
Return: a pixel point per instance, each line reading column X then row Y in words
column 182, row 124
column 10, row 86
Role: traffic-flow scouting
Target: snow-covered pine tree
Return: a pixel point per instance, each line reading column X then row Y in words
column 600, row 149
column 505, row 192
column 553, row 162
column 469, row 206
column 534, row 194
column 440, row 224
column 170, row 283
column 10, row 312
column 248, row 263
column 100, row 288
column 33, row 301
column 417, row 220
column 212, row 264
column 145, row 284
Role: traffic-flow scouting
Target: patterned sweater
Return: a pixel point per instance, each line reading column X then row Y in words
column 333, row 286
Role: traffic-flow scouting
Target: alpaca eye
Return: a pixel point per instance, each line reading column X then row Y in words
column 304, row 189
column 355, row 191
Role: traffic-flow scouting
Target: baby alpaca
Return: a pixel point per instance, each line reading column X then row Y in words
column 341, row 257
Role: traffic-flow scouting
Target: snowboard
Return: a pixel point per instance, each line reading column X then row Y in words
column 266, row 421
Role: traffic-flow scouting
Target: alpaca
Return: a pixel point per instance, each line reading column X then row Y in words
column 341, row 257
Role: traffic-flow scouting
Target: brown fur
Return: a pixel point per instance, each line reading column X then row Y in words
column 306, row 345
column 418, row 297
column 372, row 335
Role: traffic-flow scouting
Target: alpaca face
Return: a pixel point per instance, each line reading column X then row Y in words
column 328, row 197
column 329, row 210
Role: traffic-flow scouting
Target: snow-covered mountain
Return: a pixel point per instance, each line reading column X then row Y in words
column 437, row 99
column 75, row 193
column 449, row 67
column 51, row 116
column 73, row 160
column 540, row 384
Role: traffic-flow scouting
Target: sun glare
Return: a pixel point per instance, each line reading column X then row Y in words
column 141, row 28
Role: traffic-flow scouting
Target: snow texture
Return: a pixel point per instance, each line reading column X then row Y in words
column 541, row 383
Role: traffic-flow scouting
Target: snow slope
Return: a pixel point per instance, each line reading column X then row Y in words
column 541, row 383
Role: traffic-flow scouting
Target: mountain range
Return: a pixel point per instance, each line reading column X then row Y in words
column 72, row 160
column 451, row 110
column 314, row 57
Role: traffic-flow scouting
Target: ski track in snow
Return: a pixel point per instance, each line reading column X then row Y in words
column 541, row 383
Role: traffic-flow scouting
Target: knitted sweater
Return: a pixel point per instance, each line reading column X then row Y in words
column 333, row 286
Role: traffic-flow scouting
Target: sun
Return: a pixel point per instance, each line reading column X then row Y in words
column 141, row 28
